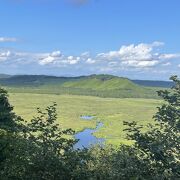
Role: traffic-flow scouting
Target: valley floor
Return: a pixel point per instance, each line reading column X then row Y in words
column 110, row 111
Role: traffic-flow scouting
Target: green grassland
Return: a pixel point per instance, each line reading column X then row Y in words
column 111, row 111
column 110, row 99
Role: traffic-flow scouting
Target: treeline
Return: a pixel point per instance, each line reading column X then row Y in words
column 58, row 90
column 41, row 150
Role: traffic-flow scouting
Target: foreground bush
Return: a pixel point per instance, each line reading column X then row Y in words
column 160, row 145
column 39, row 150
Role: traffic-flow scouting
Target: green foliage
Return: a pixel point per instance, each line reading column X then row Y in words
column 7, row 117
column 160, row 144
column 40, row 150
column 44, row 130
column 8, row 125
column 116, row 163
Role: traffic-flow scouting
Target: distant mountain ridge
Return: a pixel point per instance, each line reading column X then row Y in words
column 153, row 83
column 102, row 85
column 43, row 79
column 4, row 76
column 34, row 80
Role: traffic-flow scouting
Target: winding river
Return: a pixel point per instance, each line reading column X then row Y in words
column 86, row 137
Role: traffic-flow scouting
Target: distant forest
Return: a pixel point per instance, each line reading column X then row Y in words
column 95, row 85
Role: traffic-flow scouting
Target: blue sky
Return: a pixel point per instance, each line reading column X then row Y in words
column 134, row 38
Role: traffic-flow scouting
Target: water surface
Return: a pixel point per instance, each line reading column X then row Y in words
column 86, row 138
column 87, row 117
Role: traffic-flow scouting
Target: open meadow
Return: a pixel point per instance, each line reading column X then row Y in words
column 110, row 111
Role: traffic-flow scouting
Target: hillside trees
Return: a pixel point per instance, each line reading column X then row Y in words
column 41, row 150
column 8, row 125
column 8, row 119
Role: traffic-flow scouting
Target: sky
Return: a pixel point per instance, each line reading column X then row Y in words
column 137, row 39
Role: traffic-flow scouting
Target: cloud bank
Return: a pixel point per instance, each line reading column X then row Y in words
column 8, row 39
column 128, row 59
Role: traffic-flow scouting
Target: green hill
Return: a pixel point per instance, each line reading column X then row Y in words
column 102, row 82
column 93, row 85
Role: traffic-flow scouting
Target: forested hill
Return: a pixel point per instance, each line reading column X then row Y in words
column 34, row 80
column 102, row 82
column 96, row 80
column 149, row 83
column 96, row 85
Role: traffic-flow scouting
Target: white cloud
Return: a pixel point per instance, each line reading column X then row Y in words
column 166, row 64
column 46, row 60
column 8, row 39
column 140, row 64
column 132, row 52
column 72, row 60
column 5, row 55
column 85, row 54
column 179, row 65
column 50, row 58
column 56, row 58
column 138, row 56
column 157, row 44
column 90, row 61
column 169, row 56
column 56, row 54
column 132, row 58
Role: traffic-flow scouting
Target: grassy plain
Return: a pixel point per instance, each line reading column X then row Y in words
column 111, row 111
